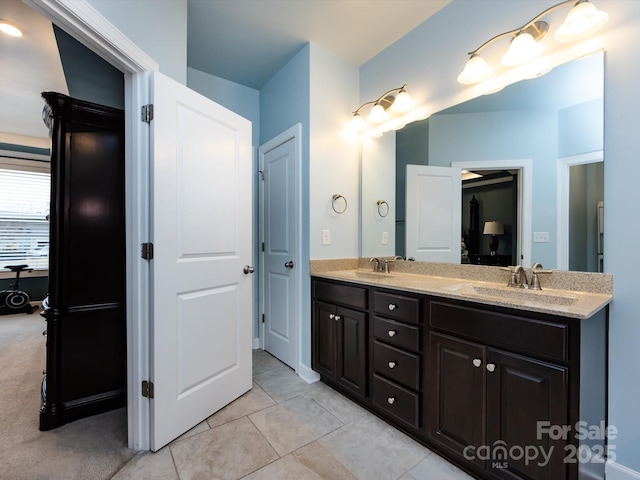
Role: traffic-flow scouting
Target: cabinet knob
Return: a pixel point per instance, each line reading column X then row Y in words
column 491, row 367
column 331, row 316
column 336, row 318
column 392, row 306
column 477, row 362
column 391, row 400
column 392, row 333
column 392, row 364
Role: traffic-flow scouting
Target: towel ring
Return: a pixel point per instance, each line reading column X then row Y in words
column 335, row 198
column 381, row 209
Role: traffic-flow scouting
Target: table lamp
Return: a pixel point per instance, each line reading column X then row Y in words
column 494, row 229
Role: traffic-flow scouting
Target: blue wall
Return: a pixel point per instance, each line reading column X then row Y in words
column 284, row 102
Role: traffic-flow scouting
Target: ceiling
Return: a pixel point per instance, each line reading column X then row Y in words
column 248, row 41
column 29, row 65
column 244, row 41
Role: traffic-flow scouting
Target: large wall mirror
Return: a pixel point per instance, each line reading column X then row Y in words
column 531, row 166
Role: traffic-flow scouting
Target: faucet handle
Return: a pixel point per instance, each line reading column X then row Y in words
column 535, row 281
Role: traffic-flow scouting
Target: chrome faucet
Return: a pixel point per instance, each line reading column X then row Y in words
column 535, row 281
column 377, row 267
column 520, row 275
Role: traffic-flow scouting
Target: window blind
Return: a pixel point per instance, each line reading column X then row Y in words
column 24, row 228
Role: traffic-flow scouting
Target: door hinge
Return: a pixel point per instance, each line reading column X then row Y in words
column 147, row 113
column 147, row 251
column 263, row 246
column 261, row 172
column 263, row 318
column 147, row 389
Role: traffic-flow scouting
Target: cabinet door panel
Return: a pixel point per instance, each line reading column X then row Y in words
column 325, row 328
column 352, row 343
column 456, row 405
column 520, row 393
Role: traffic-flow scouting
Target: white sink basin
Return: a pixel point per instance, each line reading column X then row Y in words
column 372, row 275
column 518, row 294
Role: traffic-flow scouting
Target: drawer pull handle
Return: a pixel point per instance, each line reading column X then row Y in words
column 391, row 400
column 491, row 367
column 477, row 362
column 392, row 306
column 392, row 364
column 392, row 333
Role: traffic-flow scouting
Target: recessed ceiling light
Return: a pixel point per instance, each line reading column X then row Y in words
column 10, row 28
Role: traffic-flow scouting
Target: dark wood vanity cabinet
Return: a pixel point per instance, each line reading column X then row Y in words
column 85, row 307
column 477, row 383
column 396, row 357
column 340, row 336
column 499, row 379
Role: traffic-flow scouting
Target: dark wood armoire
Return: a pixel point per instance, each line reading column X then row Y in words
column 85, row 308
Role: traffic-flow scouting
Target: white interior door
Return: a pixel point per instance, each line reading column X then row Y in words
column 434, row 213
column 280, row 269
column 201, row 338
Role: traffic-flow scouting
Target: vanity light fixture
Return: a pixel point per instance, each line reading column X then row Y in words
column 10, row 28
column 583, row 20
column 387, row 107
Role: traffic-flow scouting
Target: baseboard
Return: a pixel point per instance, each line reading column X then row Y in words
column 308, row 375
column 615, row 471
column 256, row 343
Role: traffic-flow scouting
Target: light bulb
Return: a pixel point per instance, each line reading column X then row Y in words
column 10, row 28
column 402, row 103
column 475, row 70
column 582, row 20
column 522, row 49
column 377, row 114
column 357, row 123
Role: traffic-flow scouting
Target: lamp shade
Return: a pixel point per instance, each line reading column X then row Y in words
column 357, row 123
column 493, row 228
column 402, row 103
column 522, row 49
column 582, row 20
column 377, row 114
column 475, row 70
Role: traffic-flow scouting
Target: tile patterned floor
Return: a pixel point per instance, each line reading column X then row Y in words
column 286, row 429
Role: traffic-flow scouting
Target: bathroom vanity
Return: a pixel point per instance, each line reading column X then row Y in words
column 494, row 379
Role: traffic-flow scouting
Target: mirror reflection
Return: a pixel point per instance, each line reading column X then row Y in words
column 532, row 156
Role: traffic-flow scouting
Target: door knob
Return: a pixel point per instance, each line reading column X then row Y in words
column 247, row 269
column 289, row 264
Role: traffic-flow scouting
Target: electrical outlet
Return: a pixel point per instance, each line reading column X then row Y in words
column 540, row 237
column 326, row 237
column 385, row 238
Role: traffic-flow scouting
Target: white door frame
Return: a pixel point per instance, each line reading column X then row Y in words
column 294, row 133
column 525, row 198
column 89, row 27
column 564, row 176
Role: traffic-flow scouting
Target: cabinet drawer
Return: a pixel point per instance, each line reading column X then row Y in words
column 398, row 334
column 399, row 307
column 397, row 365
column 399, row 402
column 341, row 294
column 537, row 338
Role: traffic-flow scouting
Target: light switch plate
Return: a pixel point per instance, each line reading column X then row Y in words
column 540, row 237
column 326, row 237
column 385, row 238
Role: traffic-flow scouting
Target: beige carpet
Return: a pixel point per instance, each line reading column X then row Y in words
column 91, row 448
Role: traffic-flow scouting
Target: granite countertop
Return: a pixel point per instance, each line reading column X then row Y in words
column 563, row 302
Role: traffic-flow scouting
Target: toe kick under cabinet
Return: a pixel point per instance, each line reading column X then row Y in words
column 502, row 393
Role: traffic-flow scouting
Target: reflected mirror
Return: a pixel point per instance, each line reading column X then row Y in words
column 535, row 152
